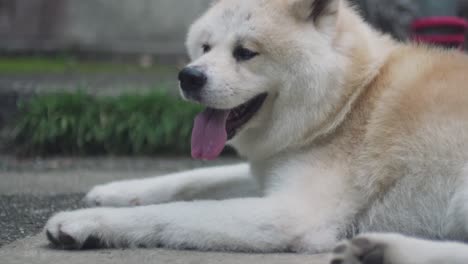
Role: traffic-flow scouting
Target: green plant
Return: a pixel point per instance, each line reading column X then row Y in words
column 81, row 124
column 61, row 65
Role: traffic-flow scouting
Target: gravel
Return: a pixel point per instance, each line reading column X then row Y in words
column 25, row 215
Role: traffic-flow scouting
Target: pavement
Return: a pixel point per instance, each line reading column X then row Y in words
column 33, row 250
column 32, row 190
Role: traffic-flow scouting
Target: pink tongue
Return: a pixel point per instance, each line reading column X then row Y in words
column 209, row 134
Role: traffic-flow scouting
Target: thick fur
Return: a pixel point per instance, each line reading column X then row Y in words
column 359, row 134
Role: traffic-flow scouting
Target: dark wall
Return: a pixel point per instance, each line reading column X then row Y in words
column 153, row 26
column 23, row 22
column 396, row 16
column 112, row 26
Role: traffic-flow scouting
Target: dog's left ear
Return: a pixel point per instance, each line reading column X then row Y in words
column 315, row 9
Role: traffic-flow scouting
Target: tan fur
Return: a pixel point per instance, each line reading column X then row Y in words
column 420, row 87
column 416, row 86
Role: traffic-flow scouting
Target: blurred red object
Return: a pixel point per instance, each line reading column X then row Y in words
column 442, row 31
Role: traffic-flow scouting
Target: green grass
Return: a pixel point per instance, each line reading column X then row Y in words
column 34, row 65
column 80, row 124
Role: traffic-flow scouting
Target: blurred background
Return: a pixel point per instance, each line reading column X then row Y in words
column 98, row 77
column 88, row 93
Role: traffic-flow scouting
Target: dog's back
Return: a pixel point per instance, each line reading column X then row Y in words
column 416, row 144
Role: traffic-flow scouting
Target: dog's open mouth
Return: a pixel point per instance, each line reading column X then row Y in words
column 214, row 127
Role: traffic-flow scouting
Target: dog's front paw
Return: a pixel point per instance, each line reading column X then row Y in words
column 131, row 193
column 76, row 230
column 361, row 250
column 119, row 194
column 385, row 249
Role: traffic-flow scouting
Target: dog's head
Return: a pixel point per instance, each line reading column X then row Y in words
column 263, row 69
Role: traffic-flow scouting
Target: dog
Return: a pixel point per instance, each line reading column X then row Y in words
column 349, row 135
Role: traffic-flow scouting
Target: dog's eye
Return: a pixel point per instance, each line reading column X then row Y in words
column 206, row 48
column 244, row 54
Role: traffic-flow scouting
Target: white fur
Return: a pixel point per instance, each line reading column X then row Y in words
column 306, row 194
column 225, row 182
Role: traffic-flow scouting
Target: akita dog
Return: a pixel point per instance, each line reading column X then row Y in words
column 346, row 132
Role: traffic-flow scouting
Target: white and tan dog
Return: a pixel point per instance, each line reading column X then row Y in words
column 346, row 132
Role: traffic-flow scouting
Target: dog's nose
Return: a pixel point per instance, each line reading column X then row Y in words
column 192, row 79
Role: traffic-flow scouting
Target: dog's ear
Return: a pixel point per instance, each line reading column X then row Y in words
column 315, row 9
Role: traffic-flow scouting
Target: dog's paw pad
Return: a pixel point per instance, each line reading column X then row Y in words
column 360, row 250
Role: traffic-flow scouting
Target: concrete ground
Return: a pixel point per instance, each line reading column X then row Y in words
column 32, row 190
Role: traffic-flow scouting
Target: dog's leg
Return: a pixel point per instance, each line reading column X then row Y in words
column 251, row 224
column 213, row 183
column 456, row 226
column 307, row 210
column 393, row 249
